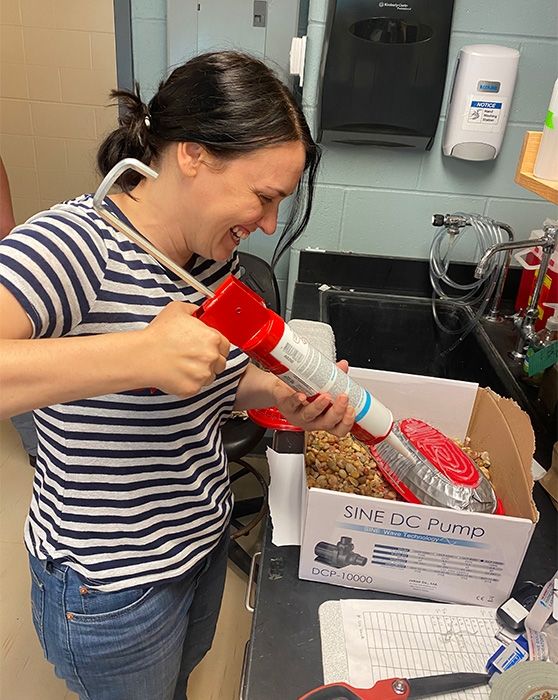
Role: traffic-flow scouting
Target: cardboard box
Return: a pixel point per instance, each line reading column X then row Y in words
column 423, row 551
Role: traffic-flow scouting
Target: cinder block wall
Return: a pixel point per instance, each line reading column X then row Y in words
column 377, row 201
column 57, row 66
column 57, row 63
column 380, row 202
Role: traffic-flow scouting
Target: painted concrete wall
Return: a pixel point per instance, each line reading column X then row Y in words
column 57, row 67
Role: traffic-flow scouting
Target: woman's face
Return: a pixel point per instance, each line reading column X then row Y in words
column 235, row 198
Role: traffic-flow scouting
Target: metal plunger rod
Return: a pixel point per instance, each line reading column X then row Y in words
column 101, row 209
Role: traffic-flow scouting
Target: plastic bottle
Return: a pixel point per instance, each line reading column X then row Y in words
column 542, row 351
column 546, row 163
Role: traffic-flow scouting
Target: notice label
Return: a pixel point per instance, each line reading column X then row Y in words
column 482, row 114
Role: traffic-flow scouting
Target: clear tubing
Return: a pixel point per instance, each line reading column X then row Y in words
column 475, row 294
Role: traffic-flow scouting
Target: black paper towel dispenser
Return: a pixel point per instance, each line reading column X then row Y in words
column 383, row 72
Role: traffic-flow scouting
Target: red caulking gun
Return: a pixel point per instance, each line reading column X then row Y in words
column 243, row 318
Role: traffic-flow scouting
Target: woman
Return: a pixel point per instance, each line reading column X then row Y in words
column 127, row 530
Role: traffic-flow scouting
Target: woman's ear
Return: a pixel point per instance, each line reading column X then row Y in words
column 190, row 157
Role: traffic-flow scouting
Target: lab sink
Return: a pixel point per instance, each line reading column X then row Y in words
column 399, row 334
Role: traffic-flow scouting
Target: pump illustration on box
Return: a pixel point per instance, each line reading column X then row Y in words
column 338, row 555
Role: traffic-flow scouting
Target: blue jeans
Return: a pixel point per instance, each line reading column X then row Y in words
column 137, row 644
column 24, row 423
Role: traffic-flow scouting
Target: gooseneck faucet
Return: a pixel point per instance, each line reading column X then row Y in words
column 526, row 324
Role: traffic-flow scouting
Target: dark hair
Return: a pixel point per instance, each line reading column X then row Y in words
column 228, row 102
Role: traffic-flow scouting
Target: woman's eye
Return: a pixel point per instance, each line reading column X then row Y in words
column 264, row 199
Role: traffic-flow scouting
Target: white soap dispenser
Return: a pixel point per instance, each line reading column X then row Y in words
column 480, row 101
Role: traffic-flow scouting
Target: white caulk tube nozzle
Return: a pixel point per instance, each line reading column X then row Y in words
column 396, row 443
column 375, row 419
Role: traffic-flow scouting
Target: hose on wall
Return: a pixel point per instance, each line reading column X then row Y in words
column 473, row 296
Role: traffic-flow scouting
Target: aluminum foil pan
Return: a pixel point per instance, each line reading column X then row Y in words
column 440, row 473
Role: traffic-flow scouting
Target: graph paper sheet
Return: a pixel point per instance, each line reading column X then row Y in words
column 364, row 641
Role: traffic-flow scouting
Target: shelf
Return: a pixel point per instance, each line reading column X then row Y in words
column 524, row 173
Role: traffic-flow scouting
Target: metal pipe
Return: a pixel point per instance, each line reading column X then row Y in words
column 493, row 315
column 548, row 239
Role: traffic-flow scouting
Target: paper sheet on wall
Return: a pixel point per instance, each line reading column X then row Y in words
column 385, row 639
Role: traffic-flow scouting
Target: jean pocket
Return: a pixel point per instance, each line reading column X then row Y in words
column 37, row 603
column 86, row 604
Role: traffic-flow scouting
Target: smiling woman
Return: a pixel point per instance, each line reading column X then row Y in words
column 128, row 527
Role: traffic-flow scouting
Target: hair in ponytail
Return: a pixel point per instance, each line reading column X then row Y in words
column 132, row 138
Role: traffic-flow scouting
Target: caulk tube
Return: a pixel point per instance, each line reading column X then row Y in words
column 242, row 316
column 311, row 372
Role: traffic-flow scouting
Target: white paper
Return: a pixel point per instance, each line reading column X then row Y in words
column 385, row 639
column 287, row 490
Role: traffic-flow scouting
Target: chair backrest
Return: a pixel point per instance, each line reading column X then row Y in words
column 259, row 276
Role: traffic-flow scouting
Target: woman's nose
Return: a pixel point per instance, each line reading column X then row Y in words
column 268, row 221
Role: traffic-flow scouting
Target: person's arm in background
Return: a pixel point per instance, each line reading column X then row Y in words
column 7, row 221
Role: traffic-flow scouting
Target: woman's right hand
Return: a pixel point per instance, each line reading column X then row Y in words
column 181, row 353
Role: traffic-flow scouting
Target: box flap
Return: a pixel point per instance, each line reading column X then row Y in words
column 287, row 496
column 501, row 423
column 446, row 404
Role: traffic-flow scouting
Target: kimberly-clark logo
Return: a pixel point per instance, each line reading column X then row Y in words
column 396, row 5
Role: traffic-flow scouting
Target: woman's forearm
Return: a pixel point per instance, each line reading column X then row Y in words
column 260, row 389
column 175, row 352
column 256, row 389
column 37, row 373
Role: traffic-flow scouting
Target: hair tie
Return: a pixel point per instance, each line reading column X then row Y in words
column 147, row 121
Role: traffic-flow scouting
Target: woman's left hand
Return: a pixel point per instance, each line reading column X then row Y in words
column 322, row 413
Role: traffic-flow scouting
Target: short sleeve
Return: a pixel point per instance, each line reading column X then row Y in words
column 54, row 265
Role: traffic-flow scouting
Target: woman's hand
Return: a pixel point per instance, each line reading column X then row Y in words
column 182, row 353
column 323, row 413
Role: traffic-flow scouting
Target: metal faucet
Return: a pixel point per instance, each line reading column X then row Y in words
column 526, row 324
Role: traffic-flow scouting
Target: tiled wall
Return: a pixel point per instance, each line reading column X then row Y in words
column 58, row 64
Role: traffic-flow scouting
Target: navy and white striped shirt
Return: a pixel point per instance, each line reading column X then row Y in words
column 132, row 488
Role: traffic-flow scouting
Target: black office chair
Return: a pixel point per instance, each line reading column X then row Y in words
column 241, row 435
